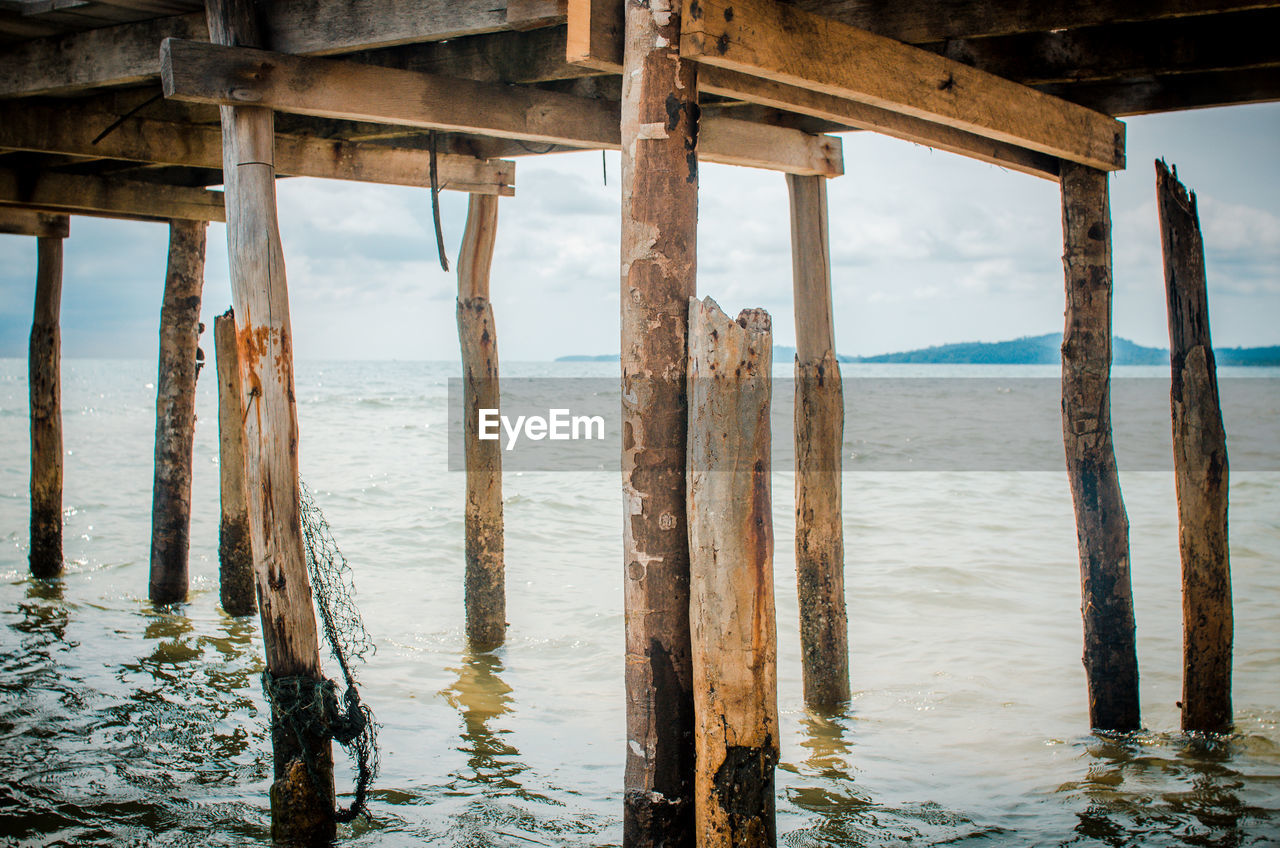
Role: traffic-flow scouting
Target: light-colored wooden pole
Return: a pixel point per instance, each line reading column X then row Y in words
column 44, row 379
column 1102, row 526
column 485, row 580
column 302, row 796
column 819, row 435
column 1200, row 465
column 731, row 609
column 176, row 412
column 659, row 275
column 235, row 553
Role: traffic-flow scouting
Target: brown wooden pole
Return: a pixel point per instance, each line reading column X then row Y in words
column 819, row 435
column 44, row 377
column 1200, row 465
column 235, row 553
column 176, row 412
column 302, row 796
column 485, row 580
column 659, row 274
column 731, row 608
column 1102, row 527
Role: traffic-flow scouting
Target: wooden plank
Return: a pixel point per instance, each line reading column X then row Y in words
column 1174, row 92
column 734, row 634
column 485, row 578
column 24, row 222
column 851, row 113
column 44, row 380
column 595, row 37
column 783, row 44
column 235, row 554
column 1102, row 527
column 524, row 15
column 176, row 412
column 328, row 88
column 69, row 131
column 108, row 198
column 1200, row 465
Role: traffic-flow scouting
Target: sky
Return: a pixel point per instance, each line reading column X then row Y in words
column 927, row 248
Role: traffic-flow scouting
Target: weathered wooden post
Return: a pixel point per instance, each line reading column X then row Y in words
column 485, row 581
column 302, row 796
column 235, row 553
column 1199, row 463
column 659, row 274
column 731, row 609
column 176, row 412
column 44, row 380
column 819, row 435
column 1102, row 527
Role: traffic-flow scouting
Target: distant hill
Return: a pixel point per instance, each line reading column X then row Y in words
column 1028, row 350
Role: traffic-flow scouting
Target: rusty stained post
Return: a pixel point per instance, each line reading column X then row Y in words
column 235, row 553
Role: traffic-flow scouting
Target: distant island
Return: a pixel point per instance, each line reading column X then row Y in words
column 1028, row 350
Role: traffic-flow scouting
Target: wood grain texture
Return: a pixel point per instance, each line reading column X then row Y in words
column 659, row 275
column 819, row 438
column 108, row 198
column 176, row 412
column 731, row 607
column 235, row 552
column 44, row 380
column 789, row 46
column 302, row 798
column 596, row 38
column 1201, row 469
column 485, row 579
column 24, row 222
column 1102, row 526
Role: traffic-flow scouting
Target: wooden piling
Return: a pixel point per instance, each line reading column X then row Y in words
column 44, row 380
column 235, row 554
column 659, row 115
column 1102, row 526
column 819, row 437
column 1200, row 465
column 485, row 579
column 176, row 412
column 302, row 796
column 731, row 608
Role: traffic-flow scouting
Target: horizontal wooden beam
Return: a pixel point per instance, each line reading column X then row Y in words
column 108, row 198
column 24, row 222
column 524, row 15
column 45, row 128
column 766, row 39
column 127, row 53
column 1173, row 92
column 327, row 88
column 850, row 113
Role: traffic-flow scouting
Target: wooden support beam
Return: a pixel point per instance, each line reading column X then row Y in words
column 595, row 38
column 44, row 380
column 819, row 438
column 69, row 131
column 659, row 274
column 1102, row 527
column 1173, row 92
column 485, row 579
column 235, row 553
column 108, row 198
column 524, row 15
column 780, row 43
column 202, row 73
column 1201, row 470
column 180, row 329
column 732, row 620
column 302, row 795
column 24, row 222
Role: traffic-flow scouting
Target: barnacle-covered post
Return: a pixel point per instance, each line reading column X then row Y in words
column 44, row 380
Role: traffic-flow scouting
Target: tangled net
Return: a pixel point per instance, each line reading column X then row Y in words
column 309, row 707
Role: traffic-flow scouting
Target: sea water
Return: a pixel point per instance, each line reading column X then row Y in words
column 122, row 723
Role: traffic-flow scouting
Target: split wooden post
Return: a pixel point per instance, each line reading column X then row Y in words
column 731, row 609
column 176, row 412
column 1102, row 527
column 302, row 796
column 819, row 435
column 44, row 380
column 1199, row 463
column 235, row 553
column 485, row 579
column 659, row 116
